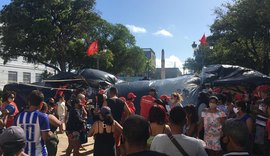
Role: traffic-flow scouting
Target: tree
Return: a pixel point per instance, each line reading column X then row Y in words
column 240, row 35
column 55, row 33
column 149, row 69
column 128, row 58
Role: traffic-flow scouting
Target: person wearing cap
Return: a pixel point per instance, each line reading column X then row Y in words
column 103, row 131
column 147, row 102
column 8, row 99
column 130, row 102
column 165, row 100
column 35, row 125
column 12, row 141
column 212, row 120
column 75, row 124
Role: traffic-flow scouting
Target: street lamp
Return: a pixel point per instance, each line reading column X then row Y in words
column 195, row 48
column 194, row 45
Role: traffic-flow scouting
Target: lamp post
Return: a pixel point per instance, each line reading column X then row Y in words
column 195, row 48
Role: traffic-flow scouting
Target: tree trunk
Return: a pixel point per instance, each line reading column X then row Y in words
column 62, row 65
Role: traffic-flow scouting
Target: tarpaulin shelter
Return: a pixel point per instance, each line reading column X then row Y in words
column 98, row 78
column 23, row 91
column 189, row 83
column 228, row 75
column 63, row 81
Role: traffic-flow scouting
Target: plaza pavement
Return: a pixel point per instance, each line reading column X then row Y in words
column 63, row 143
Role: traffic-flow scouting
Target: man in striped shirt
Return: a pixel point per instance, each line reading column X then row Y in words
column 35, row 125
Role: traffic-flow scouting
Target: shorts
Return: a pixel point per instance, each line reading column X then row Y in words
column 74, row 136
column 62, row 118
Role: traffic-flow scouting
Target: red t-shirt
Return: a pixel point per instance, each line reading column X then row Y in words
column 131, row 107
column 268, row 128
column 10, row 118
column 146, row 103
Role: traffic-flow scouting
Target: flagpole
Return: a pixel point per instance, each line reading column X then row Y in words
column 98, row 62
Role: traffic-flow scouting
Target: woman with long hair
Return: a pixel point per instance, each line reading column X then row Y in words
column 8, row 99
column 176, row 100
column 191, row 126
column 103, row 131
column 157, row 118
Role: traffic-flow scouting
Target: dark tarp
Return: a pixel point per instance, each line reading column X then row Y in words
column 64, row 76
column 216, row 75
column 231, row 75
column 85, row 77
column 102, row 77
column 189, row 83
column 24, row 90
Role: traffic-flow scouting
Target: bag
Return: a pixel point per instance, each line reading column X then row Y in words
column 177, row 145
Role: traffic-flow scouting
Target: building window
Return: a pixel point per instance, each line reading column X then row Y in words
column 12, row 76
column 26, row 77
column 38, row 77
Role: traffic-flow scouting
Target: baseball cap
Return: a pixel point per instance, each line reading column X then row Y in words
column 131, row 95
column 101, row 91
column 12, row 134
column 105, row 110
column 165, row 97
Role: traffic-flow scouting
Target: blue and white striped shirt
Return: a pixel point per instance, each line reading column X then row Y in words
column 34, row 123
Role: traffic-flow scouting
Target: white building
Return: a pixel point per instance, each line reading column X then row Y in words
column 19, row 71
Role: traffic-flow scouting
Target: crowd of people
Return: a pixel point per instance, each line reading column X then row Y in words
column 220, row 123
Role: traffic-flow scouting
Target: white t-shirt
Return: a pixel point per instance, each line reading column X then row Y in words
column 192, row 146
column 61, row 110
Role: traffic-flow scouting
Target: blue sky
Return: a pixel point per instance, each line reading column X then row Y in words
column 171, row 25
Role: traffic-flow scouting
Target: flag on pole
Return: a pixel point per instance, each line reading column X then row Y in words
column 93, row 48
column 203, row 40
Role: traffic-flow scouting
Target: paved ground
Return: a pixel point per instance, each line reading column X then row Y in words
column 63, row 143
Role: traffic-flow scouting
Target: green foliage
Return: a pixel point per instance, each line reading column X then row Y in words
column 241, row 35
column 57, row 33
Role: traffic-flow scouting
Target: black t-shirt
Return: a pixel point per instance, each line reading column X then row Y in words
column 75, row 121
column 117, row 108
column 147, row 153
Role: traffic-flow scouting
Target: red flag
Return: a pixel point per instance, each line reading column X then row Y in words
column 203, row 40
column 93, row 48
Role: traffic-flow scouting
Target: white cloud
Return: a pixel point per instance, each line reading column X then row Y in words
column 163, row 32
column 170, row 62
column 135, row 29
